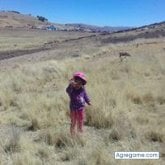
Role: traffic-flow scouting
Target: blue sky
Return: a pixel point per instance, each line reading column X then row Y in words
column 95, row 12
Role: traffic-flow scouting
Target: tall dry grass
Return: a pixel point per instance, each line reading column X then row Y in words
column 126, row 113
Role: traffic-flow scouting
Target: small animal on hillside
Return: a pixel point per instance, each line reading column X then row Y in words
column 123, row 55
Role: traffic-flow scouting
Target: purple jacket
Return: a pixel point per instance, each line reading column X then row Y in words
column 78, row 98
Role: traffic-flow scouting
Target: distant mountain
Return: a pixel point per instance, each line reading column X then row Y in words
column 92, row 28
column 156, row 30
column 14, row 19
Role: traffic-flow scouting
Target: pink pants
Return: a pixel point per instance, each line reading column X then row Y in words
column 77, row 119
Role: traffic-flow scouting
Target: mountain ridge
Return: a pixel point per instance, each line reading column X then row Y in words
column 15, row 19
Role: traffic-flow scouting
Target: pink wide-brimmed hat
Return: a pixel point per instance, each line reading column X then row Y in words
column 80, row 75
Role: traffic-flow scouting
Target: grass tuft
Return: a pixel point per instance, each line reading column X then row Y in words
column 155, row 136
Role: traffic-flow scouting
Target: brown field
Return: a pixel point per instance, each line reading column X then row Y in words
column 128, row 99
column 22, row 41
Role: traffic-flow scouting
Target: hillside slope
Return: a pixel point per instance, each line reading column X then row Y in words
column 145, row 32
column 13, row 19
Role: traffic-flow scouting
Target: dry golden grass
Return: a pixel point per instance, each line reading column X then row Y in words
column 127, row 112
column 25, row 40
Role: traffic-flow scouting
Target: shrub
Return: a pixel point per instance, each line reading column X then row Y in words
column 160, row 100
column 13, row 141
column 41, row 18
column 60, row 139
column 155, row 136
column 98, row 118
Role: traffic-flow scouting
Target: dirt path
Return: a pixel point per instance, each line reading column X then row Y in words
column 45, row 47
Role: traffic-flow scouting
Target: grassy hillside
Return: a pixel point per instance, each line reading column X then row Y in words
column 21, row 39
column 127, row 112
column 16, row 19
